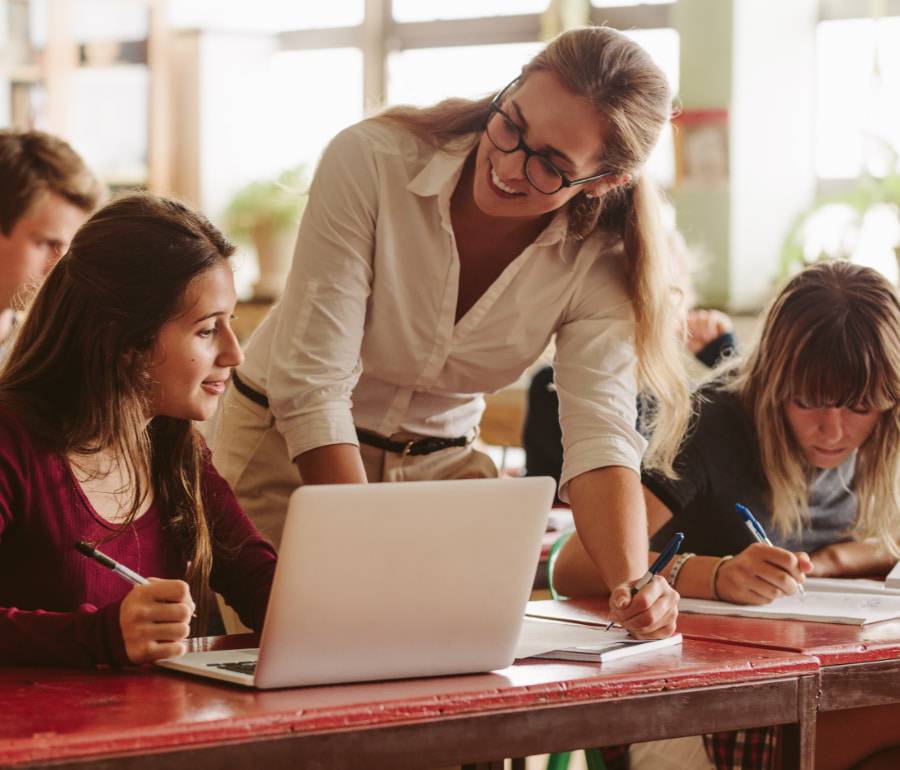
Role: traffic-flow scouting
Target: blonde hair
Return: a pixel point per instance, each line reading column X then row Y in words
column 624, row 86
column 830, row 338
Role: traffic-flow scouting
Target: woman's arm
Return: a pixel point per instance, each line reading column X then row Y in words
column 332, row 464
column 314, row 360
column 868, row 558
column 609, row 549
column 243, row 562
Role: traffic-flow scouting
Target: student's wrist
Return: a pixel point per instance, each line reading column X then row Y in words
column 694, row 577
column 676, row 568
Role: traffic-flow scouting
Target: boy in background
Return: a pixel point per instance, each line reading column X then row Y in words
column 46, row 192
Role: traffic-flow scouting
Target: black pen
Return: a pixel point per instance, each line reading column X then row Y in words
column 120, row 569
column 665, row 556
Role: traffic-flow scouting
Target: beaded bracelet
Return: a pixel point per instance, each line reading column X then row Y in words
column 715, row 574
column 676, row 567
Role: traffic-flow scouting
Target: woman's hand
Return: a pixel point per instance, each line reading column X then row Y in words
column 704, row 326
column 761, row 573
column 155, row 619
column 649, row 614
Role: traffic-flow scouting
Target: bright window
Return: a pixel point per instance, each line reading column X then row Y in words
column 425, row 76
column 857, row 96
column 429, row 10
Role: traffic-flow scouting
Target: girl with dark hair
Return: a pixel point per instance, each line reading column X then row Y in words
column 441, row 251
column 125, row 345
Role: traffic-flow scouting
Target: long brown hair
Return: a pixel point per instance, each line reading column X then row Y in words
column 623, row 84
column 77, row 371
column 830, row 338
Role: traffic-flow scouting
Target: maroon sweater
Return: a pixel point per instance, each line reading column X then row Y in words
column 60, row 608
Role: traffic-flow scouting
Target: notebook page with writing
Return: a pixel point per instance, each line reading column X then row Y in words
column 820, row 607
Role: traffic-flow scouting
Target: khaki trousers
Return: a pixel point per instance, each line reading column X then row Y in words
column 252, row 456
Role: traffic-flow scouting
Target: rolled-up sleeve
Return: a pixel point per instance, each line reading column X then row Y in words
column 314, row 363
column 595, row 378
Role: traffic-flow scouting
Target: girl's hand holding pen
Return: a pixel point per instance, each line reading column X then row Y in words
column 761, row 573
column 155, row 619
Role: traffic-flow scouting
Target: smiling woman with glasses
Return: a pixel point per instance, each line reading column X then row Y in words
column 540, row 171
column 441, row 251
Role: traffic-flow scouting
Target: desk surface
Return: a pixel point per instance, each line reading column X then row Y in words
column 860, row 664
column 125, row 718
column 830, row 643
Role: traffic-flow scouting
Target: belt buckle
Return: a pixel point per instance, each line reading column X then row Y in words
column 408, row 448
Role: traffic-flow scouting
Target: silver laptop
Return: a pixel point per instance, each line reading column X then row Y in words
column 395, row 580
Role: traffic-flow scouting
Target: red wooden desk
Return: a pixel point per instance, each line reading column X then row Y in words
column 860, row 665
column 148, row 717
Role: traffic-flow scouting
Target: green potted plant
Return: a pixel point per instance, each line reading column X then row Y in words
column 266, row 215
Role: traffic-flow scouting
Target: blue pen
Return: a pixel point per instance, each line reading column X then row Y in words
column 665, row 556
column 757, row 531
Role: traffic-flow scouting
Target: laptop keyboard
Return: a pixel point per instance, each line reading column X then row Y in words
column 242, row 667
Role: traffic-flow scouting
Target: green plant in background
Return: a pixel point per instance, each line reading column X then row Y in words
column 266, row 216
column 845, row 214
column 275, row 204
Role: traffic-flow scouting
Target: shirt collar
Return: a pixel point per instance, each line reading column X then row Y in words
column 442, row 172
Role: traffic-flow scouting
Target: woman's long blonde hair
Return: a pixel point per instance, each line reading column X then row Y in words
column 830, row 338
column 624, row 85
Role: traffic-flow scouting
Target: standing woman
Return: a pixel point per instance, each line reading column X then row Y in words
column 441, row 251
column 127, row 343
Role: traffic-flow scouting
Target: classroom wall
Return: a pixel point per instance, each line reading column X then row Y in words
column 753, row 59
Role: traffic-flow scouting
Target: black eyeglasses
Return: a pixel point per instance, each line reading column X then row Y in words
column 540, row 172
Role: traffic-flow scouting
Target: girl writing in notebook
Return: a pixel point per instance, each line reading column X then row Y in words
column 804, row 431
column 441, row 250
column 127, row 343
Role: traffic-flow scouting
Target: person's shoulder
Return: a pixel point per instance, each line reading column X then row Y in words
column 380, row 136
column 9, row 421
column 715, row 401
column 14, row 433
column 718, row 412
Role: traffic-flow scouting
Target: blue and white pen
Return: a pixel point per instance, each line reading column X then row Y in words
column 758, row 532
column 665, row 556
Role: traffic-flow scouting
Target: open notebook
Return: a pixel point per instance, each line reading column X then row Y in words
column 850, row 607
column 385, row 581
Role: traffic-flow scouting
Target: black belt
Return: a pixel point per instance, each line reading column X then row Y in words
column 245, row 390
column 422, row 446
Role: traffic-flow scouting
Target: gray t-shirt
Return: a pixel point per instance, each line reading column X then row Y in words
column 718, row 466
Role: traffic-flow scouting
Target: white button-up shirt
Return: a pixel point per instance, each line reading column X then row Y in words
column 365, row 334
